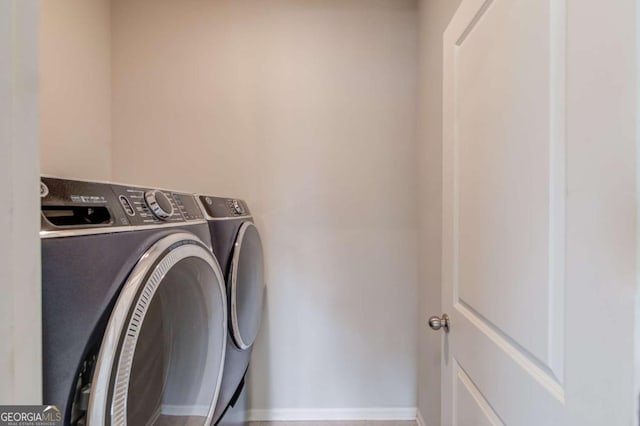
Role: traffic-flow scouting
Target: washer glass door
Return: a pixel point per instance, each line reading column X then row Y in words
column 246, row 286
column 162, row 354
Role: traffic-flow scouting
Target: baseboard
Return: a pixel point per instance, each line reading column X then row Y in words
column 322, row 414
column 420, row 419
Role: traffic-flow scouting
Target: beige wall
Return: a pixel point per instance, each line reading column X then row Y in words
column 75, row 88
column 307, row 110
column 20, row 317
column 434, row 17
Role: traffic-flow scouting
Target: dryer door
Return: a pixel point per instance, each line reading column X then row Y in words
column 162, row 354
column 246, row 286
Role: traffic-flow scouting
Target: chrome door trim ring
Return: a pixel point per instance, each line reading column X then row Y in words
column 233, row 276
column 149, row 271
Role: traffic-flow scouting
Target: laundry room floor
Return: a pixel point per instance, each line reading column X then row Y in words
column 338, row 423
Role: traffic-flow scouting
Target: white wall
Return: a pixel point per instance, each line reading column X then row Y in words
column 307, row 110
column 434, row 18
column 75, row 88
column 20, row 318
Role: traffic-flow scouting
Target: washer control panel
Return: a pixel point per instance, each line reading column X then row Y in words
column 146, row 206
column 70, row 204
column 219, row 207
column 156, row 206
column 188, row 206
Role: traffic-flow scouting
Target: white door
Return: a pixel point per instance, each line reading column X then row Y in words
column 539, row 213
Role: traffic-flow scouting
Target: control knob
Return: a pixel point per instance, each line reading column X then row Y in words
column 159, row 204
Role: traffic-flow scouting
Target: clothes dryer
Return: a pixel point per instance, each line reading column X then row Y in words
column 133, row 305
column 238, row 248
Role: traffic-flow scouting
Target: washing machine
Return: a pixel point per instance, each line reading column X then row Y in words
column 133, row 305
column 238, row 248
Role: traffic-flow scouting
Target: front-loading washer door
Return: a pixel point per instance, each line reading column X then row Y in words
column 246, row 286
column 162, row 354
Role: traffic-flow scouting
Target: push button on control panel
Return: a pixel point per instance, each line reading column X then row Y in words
column 126, row 205
column 236, row 207
column 187, row 206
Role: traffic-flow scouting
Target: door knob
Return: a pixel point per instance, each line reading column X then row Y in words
column 436, row 323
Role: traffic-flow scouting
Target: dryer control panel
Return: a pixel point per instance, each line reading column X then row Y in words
column 219, row 207
column 79, row 205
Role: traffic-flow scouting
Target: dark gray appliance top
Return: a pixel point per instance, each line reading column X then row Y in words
column 74, row 207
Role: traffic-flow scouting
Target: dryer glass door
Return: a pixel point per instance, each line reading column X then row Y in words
column 246, row 286
column 162, row 355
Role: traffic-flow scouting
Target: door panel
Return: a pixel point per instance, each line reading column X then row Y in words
column 471, row 407
column 539, row 261
column 502, row 171
column 503, row 241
